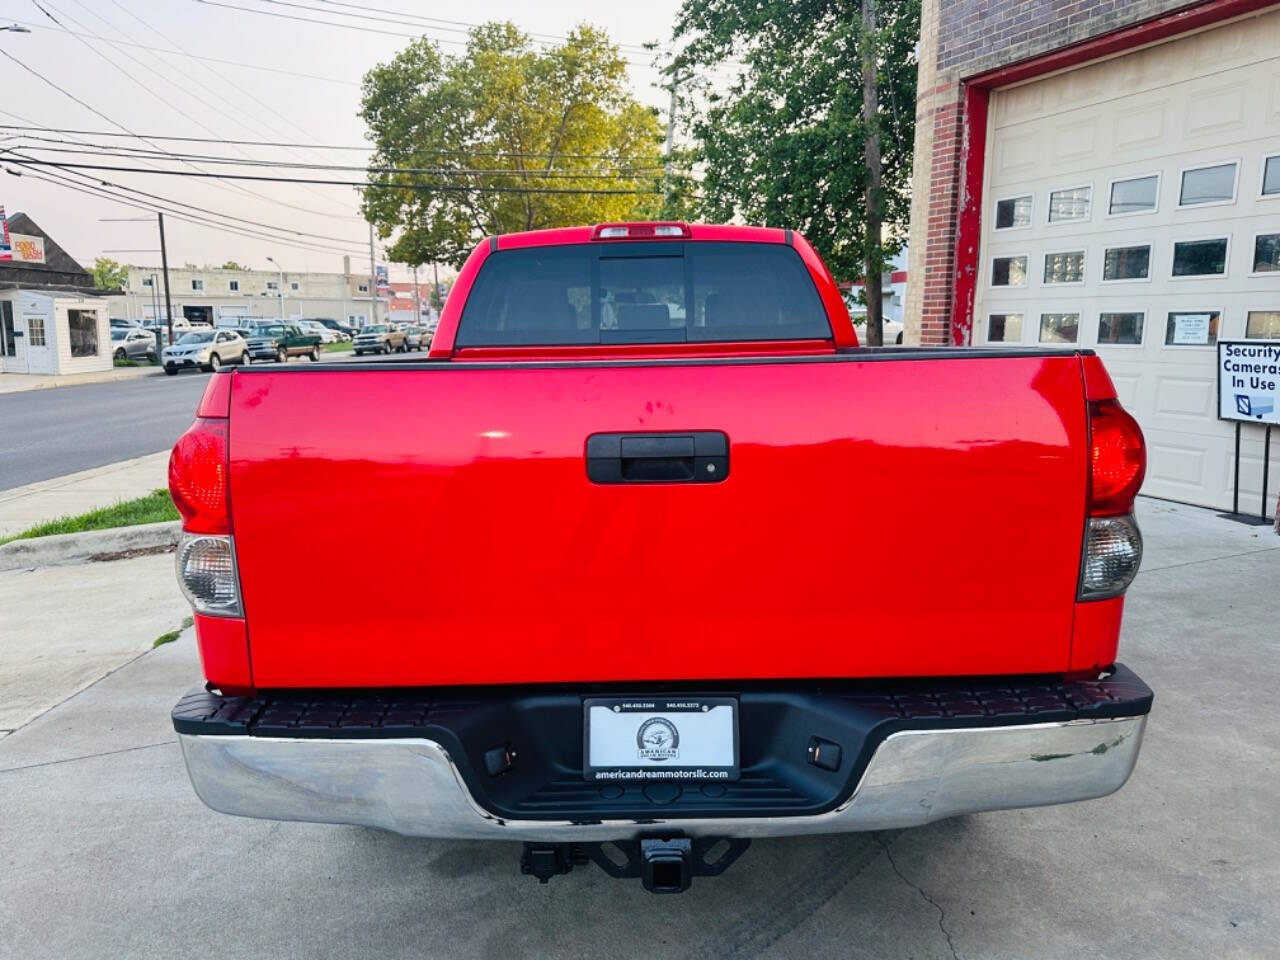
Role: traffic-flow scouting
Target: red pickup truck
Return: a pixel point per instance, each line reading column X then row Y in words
column 645, row 616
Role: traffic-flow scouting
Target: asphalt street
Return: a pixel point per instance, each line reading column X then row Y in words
column 52, row 432
column 106, row 852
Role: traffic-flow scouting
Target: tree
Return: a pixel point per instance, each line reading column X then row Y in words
column 109, row 274
column 231, row 265
column 786, row 142
column 504, row 137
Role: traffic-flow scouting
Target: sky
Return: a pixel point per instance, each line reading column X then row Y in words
column 169, row 93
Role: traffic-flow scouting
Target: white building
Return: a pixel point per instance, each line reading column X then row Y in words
column 231, row 297
column 52, row 321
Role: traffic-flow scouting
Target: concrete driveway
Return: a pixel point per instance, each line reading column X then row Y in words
column 105, row 851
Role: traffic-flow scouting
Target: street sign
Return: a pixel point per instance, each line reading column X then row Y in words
column 1249, row 380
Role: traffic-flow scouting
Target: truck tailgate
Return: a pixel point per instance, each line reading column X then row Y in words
column 891, row 515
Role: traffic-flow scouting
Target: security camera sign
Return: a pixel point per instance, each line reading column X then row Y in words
column 1249, row 380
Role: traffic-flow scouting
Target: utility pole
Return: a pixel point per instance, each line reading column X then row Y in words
column 164, row 263
column 281, row 285
column 669, row 144
column 417, row 297
column 373, row 281
column 872, row 278
column 155, row 312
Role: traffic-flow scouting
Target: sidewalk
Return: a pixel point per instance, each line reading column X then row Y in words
column 19, row 382
column 24, row 507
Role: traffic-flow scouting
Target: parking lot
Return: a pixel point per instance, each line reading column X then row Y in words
column 105, row 851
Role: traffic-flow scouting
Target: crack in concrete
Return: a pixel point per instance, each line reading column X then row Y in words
column 87, row 756
column 942, row 914
column 1192, row 563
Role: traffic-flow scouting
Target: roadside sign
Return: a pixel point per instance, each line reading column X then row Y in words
column 1249, row 380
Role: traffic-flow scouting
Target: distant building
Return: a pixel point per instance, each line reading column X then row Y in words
column 230, row 298
column 52, row 319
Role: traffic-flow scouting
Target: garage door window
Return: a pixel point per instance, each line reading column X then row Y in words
column 1013, row 212
column 1069, row 205
column 1117, row 328
column 1065, row 267
column 1009, row 271
column 1127, row 263
column 1271, row 176
column 1192, row 328
column 1213, row 184
column 1135, row 195
column 1200, row 258
column 1263, row 325
column 1266, row 253
column 1004, row 328
column 1059, row 327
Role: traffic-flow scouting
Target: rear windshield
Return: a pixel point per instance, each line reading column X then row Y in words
column 642, row 293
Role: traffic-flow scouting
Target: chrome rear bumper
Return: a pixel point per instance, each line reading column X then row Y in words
column 413, row 787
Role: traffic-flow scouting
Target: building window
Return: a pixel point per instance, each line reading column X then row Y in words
column 1266, row 253
column 1064, row 267
column 1135, row 195
column 1004, row 328
column 146, row 281
column 1009, row 272
column 82, row 326
column 1271, row 176
column 293, row 285
column 1120, row 328
column 197, row 285
column 233, row 286
column 1127, row 263
column 1192, row 328
column 363, row 288
column 1214, row 184
column 1263, row 325
column 273, row 285
column 1059, row 327
column 1013, row 212
column 35, row 331
column 1200, row 258
column 1070, row 204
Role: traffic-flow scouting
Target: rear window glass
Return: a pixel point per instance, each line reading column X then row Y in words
column 642, row 293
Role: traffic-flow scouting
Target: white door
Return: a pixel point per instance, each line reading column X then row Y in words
column 1132, row 206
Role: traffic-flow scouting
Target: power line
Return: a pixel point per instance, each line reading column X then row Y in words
column 195, row 96
column 316, row 146
column 12, row 156
column 633, row 173
column 359, row 184
column 352, row 26
column 229, row 63
column 230, row 186
column 101, row 193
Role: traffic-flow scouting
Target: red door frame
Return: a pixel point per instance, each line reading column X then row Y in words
column 977, row 93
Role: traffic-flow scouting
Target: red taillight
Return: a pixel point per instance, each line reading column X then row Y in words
column 1118, row 459
column 198, row 477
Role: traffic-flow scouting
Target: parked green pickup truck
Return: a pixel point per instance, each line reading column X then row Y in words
column 280, row 341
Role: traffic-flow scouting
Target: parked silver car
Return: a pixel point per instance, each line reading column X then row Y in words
column 131, row 343
column 205, row 349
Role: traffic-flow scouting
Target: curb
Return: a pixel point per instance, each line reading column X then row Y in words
column 106, row 376
column 92, row 545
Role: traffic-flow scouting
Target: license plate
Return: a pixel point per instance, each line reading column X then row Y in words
column 646, row 739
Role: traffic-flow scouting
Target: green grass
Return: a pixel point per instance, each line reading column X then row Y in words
column 153, row 508
column 173, row 635
column 342, row 346
column 126, row 362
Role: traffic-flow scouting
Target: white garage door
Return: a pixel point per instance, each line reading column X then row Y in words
column 1133, row 206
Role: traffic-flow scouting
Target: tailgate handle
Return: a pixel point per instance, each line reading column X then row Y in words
column 699, row 456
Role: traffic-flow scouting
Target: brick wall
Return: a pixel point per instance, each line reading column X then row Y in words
column 962, row 38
